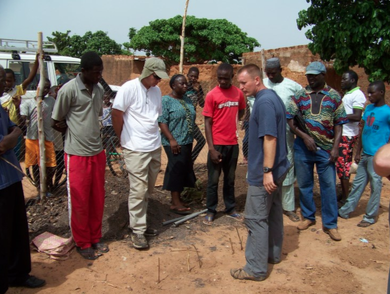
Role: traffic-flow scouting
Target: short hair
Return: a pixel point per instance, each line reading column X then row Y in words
column 353, row 75
column 379, row 85
column 10, row 71
column 193, row 69
column 174, row 78
column 90, row 59
column 252, row 69
column 225, row 67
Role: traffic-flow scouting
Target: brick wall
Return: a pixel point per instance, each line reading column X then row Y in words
column 294, row 61
column 119, row 68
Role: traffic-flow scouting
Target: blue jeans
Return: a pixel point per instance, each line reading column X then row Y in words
column 304, row 167
column 364, row 173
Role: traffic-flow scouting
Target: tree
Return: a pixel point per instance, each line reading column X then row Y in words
column 350, row 33
column 77, row 45
column 205, row 40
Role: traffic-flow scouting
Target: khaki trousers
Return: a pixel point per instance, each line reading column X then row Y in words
column 143, row 168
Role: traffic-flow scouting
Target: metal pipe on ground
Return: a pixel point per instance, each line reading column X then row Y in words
column 187, row 217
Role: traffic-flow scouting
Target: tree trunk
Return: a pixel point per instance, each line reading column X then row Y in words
column 183, row 30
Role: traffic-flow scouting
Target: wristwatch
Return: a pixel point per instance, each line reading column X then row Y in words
column 267, row 169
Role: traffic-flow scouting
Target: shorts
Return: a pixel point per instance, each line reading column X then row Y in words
column 344, row 161
column 32, row 153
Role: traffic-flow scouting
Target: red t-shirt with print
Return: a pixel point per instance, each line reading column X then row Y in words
column 222, row 105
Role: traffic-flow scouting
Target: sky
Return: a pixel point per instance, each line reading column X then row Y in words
column 271, row 23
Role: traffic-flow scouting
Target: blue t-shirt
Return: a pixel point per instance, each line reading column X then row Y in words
column 376, row 131
column 268, row 117
column 8, row 174
column 179, row 115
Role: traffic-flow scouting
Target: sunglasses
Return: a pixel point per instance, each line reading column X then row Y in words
column 156, row 77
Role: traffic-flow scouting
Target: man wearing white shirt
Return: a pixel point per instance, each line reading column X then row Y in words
column 134, row 117
column 353, row 101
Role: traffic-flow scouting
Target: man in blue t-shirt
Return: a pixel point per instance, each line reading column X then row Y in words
column 375, row 134
column 267, row 168
column 15, row 260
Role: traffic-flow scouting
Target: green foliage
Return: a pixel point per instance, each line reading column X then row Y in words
column 205, row 40
column 76, row 45
column 352, row 32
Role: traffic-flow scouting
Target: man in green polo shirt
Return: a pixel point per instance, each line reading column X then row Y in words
column 76, row 112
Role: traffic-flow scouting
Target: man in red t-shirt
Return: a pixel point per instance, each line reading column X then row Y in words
column 224, row 105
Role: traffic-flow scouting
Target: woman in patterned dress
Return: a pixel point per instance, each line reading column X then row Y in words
column 177, row 126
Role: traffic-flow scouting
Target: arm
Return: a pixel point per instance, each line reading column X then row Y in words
column 359, row 144
column 60, row 126
column 334, row 153
column 269, row 159
column 117, row 121
column 309, row 141
column 356, row 115
column 9, row 141
column 216, row 157
column 382, row 161
column 174, row 146
column 241, row 114
column 32, row 74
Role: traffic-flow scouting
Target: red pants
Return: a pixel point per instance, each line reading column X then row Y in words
column 86, row 197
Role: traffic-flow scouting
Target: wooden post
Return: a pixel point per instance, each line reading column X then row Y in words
column 183, row 31
column 41, row 133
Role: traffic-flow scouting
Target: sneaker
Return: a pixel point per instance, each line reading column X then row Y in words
column 240, row 274
column 305, row 224
column 139, row 241
column 333, row 233
column 30, row 282
column 151, row 232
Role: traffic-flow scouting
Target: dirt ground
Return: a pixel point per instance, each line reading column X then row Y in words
column 195, row 258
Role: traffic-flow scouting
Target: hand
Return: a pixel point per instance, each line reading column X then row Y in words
column 334, row 154
column 7, row 143
column 358, row 157
column 175, row 148
column 61, row 124
column 216, row 156
column 310, row 144
column 268, row 182
column 16, row 100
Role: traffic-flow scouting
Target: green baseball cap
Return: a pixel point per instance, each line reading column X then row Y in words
column 156, row 66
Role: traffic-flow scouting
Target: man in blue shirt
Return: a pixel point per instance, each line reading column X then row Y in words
column 375, row 134
column 267, row 168
column 15, row 260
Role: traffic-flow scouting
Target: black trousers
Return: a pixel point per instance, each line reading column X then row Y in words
column 15, row 259
column 228, row 166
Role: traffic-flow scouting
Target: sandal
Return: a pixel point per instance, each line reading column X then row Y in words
column 181, row 210
column 236, row 216
column 364, row 224
column 292, row 216
column 101, row 247
column 88, row 253
column 209, row 218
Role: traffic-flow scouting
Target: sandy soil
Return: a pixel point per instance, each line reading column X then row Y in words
column 312, row 262
column 195, row 258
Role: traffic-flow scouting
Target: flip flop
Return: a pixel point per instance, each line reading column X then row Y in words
column 181, row 211
column 364, row 224
column 292, row 216
column 209, row 218
column 88, row 253
column 101, row 247
column 236, row 216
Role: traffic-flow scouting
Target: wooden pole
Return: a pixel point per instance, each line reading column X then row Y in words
column 41, row 133
column 183, row 31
